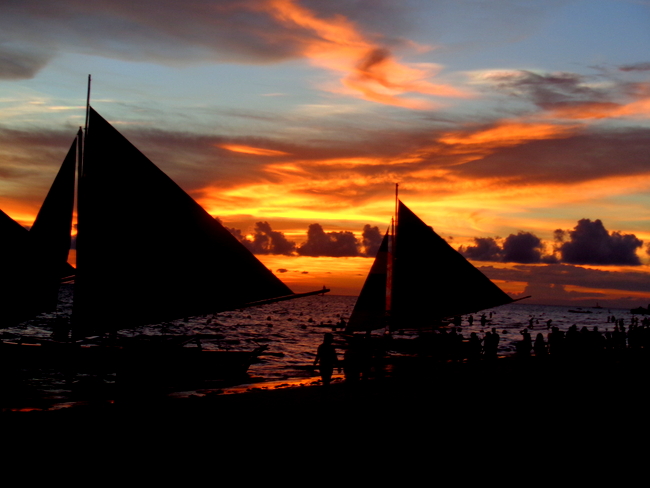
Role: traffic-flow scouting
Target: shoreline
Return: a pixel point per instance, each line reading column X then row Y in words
column 413, row 386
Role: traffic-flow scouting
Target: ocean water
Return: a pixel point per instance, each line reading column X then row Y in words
column 293, row 329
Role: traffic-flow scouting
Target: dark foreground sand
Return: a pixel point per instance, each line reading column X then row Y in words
column 415, row 389
column 510, row 410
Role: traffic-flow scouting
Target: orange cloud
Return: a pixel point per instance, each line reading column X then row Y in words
column 585, row 111
column 258, row 151
column 370, row 70
column 508, row 134
column 638, row 108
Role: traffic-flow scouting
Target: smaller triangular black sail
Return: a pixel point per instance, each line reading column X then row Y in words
column 14, row 242
column 34, row 261
column 146, row 251
column 432, row 280
column 50, row 234
column 369, row 312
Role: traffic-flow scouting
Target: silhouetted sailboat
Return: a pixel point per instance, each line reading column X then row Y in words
column 417, row 279
column 35, row 261
column 141, row 234
column 147, row 252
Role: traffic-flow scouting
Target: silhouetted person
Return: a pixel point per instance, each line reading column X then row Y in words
column 353, row 360
column 494, row 340
column 572, row 340
column 491, row 344
column 326, row 356
column 474, row 347
column 555, row 341
column 470, row 319
column 526, row 343
column 539, row 346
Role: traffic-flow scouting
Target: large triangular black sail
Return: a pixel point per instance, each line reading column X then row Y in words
column 432, row 280
column 369, row 312
column 35, row 261
column 146, row 251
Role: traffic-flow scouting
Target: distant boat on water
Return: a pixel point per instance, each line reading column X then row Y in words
column 418, row 279
column 641, row 310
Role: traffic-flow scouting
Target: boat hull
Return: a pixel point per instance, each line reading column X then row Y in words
column 152, row 360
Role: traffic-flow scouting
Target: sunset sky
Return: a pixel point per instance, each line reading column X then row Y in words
column 519, row 130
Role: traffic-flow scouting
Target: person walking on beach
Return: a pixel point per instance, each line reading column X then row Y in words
column 326, row 356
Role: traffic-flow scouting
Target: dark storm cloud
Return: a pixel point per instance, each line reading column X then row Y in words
column 265, row 240
column 588, row 243
column 335, row 244
column 269, row 241
column 319, row 243
column 370, row 240
column 524, row 247
column 485, row 249
column 591, row 243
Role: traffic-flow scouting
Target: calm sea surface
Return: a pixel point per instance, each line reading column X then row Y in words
column 292, row 330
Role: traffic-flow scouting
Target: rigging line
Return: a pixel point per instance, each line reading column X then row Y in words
column 87, row 104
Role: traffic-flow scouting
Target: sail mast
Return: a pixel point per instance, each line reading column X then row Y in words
column 81, row 144
column 88, row 103
column 85, row 132
column 390, row 264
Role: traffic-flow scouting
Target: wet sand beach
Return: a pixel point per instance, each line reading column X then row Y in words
column 414, row 388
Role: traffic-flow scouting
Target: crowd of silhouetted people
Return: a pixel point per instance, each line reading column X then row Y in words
column 582, row 342
column 448, row 344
